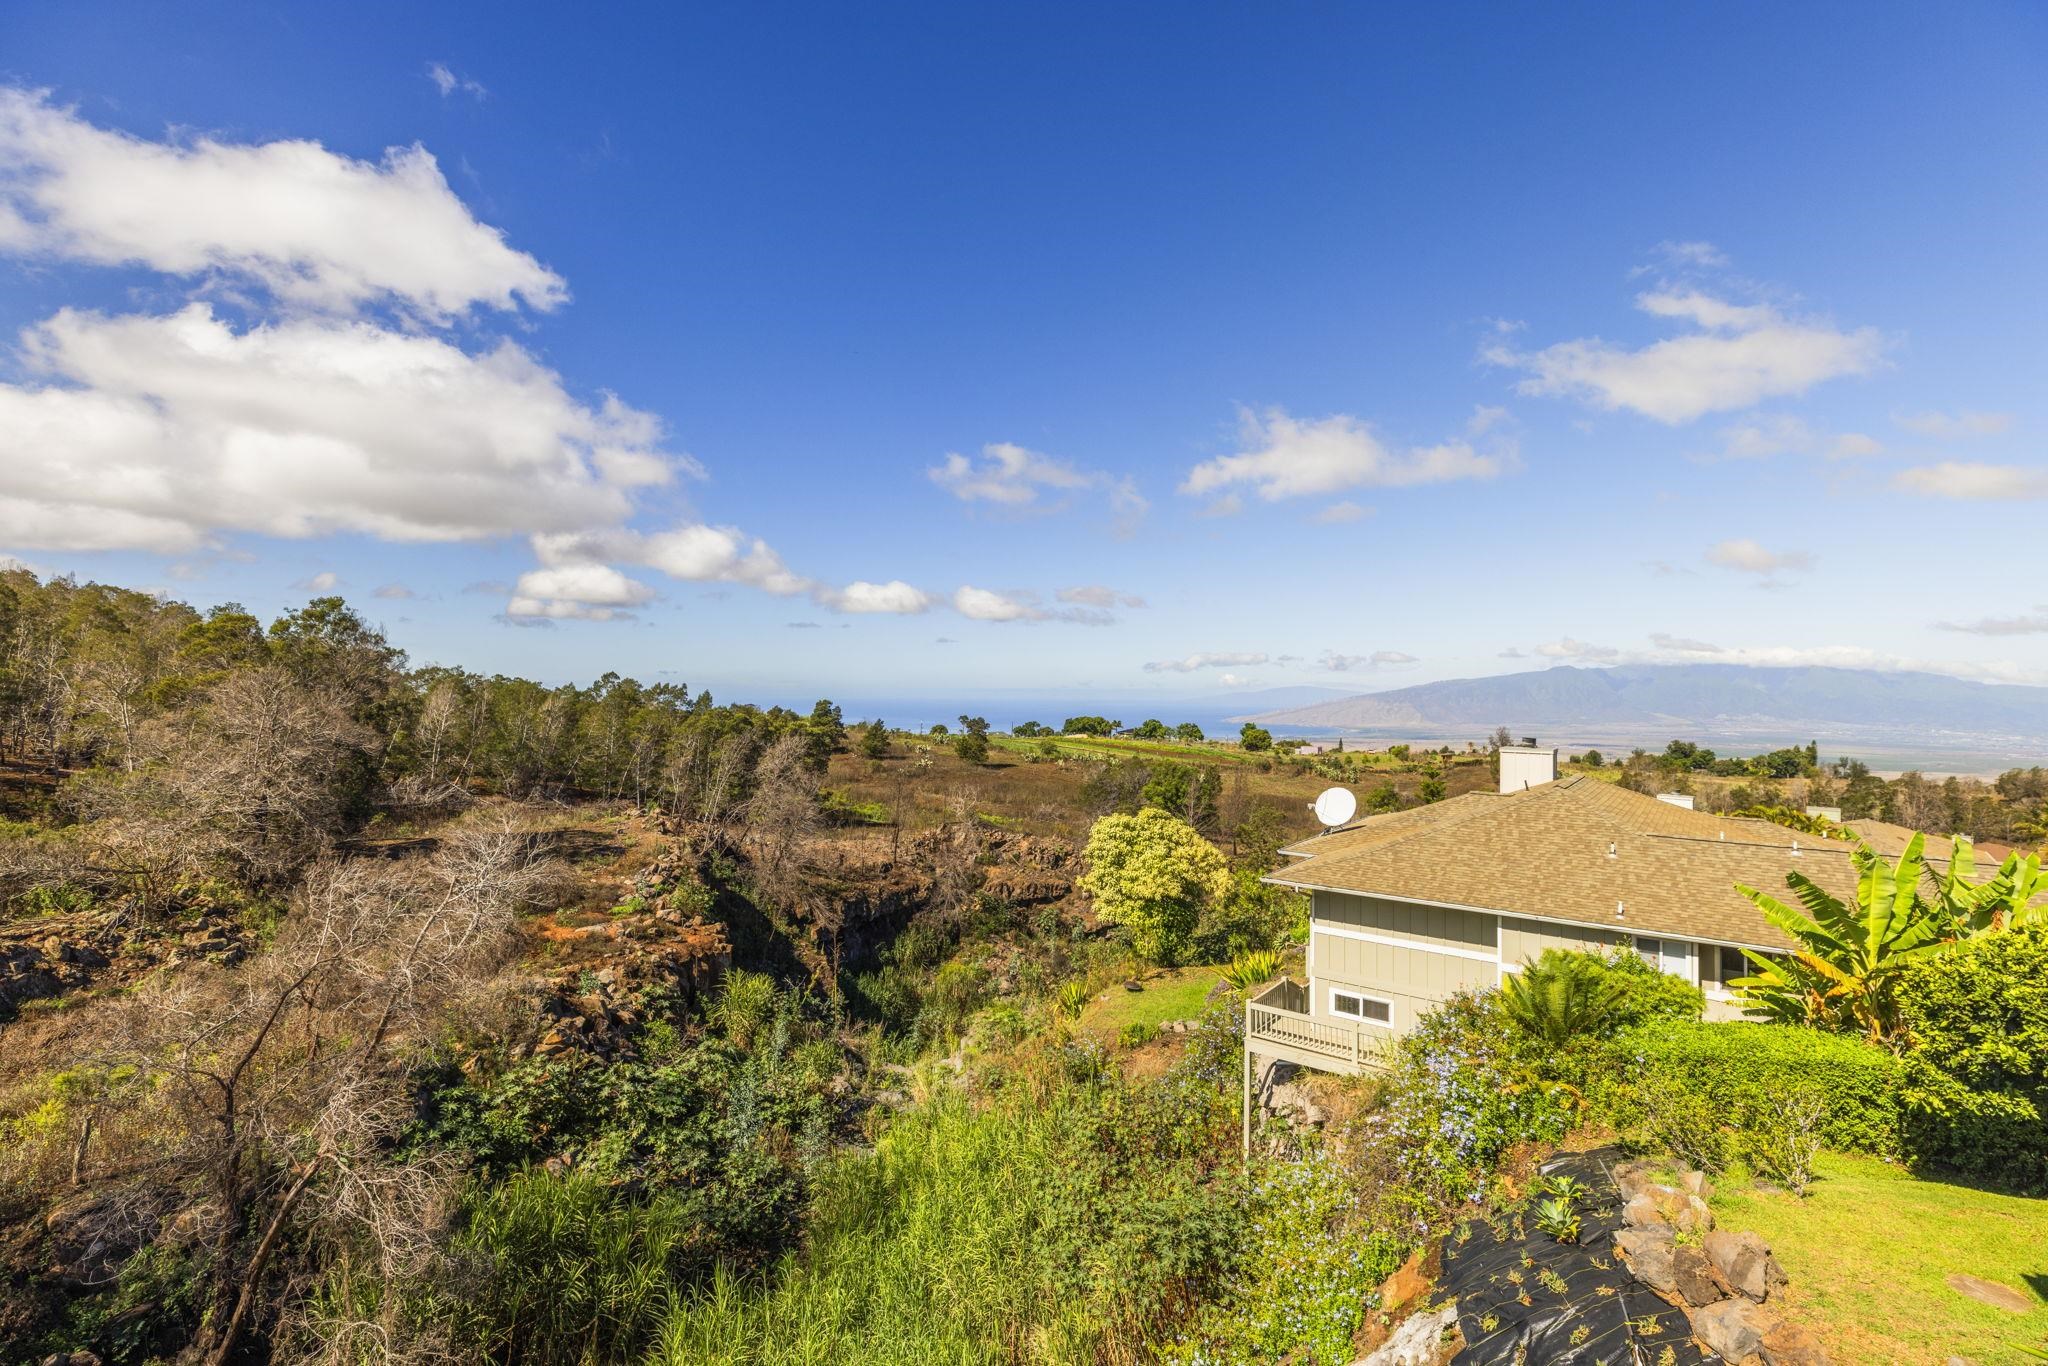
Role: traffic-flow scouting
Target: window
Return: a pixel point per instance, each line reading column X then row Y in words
column 1666, row 955
column 1361, row 1007
column 1734, row 965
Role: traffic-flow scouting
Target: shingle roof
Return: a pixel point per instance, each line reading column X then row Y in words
column 1544, row 852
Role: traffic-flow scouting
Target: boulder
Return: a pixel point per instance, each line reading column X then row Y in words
column 1641, row 1211
column 1734, row 1328
column 1745, row 1263
column 1651, row 1254
column 1787, row 1344
column 1698, row 1283
column 1415, row 1341
column 1631, row 1178
column 1689, row 1214
column 1696, row 1183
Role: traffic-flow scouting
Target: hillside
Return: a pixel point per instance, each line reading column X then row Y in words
column 1654, row 701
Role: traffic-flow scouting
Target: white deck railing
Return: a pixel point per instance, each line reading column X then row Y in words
column 1278, row 1016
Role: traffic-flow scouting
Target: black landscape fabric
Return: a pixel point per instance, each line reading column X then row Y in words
column 1521, row 1294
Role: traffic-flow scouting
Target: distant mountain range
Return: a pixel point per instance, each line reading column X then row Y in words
column 1915, row 711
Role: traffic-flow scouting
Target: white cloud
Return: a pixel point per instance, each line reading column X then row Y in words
column 1763, row 437
column 1736, row 356
column 861, row 597
column 984, row 604
column 2027, row 624
column 1336, row 514
column 159, row 433
column 318, row 229
column 1188, row 664
column 394, row 592
column 1748, row 557
column 1964, row 479
column 1511, row 653
column 1283, row 457
column 1862, row 657
column 1231, row 681
column 448, row 81
column 322, row 582
column 1378, row 659
column 1014, row 476
column 1569, row 648
column 1095, row 595
column 1681, row 645
column 1699, row 254
column 593, row 592
column 1949, row 426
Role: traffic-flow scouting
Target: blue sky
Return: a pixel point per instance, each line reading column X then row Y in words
column 953, row 350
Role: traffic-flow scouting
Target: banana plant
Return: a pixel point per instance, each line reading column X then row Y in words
column 1842, row 974
column 2005, row 900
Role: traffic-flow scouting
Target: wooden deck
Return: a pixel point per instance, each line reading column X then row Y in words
column 1278, row 1025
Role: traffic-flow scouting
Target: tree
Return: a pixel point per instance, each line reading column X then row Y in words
column 1188, row 733
column 1592, row 758
column 874, row 739
column 825, row 729
column 1152, row 728
column 1843, row 975
column 1253, row 739
column 1090, row 725
column 1385, row 797
column 1030, row 730
column 1152, row 873
column 972, row 744
column 1399, row 753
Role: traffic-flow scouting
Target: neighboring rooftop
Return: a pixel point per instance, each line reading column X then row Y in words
column 1574, row 850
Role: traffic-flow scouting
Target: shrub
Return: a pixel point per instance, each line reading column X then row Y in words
column 1976, row 1080
column 1137, row 1034
column 1253, row 969
column 1738, row 1071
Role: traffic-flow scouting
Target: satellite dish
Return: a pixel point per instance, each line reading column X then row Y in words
column 1336, row 806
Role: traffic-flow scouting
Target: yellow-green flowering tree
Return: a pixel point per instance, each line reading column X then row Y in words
column 1152, row 874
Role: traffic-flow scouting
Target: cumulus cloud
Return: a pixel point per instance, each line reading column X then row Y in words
column 449, row 82
column 1095, row 595
column 984, row 604
column 1283, row 457
column 159, row 432
column 1378, row 659
column 322, row 582
column 1747, row 557
column 317, row 229
column 1014, row 476
column 1681, row 645
column 1781, row 435
column 1189, row 663
column 2026, row 624
column 1231, row 681
column 1971, row 480
column 863, row 598
column 591, row 592
column 1570, row 648
column 1949, row 426
column 1733, row 357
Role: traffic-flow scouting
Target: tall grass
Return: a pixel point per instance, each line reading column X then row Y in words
column 949, row 1244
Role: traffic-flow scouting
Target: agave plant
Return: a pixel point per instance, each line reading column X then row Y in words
column 1849, row 956
column 1072, row 999
column 1557, row 1218
column 1252, row 969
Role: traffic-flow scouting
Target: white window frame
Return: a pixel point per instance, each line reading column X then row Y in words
column 1337, row 990
column 1683, row 965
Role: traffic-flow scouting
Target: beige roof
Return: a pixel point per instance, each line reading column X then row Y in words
column 1575, row 850
column 1890, row 840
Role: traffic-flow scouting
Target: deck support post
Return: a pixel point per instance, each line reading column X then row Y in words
column 1247, row 1098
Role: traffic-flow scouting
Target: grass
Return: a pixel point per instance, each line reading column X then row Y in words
column 1869, row 1251
column 1177, row 995
column 1110, row 747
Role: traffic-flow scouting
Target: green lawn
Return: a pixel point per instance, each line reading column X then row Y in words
column 1178, row 995
column 1870, row 1248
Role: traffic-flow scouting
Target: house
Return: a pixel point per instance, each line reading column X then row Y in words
column 1413, row 906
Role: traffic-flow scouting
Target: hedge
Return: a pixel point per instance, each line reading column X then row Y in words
column 1976, row 1078
column 1741, row 1068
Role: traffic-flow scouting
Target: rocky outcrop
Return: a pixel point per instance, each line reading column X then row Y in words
column 1416, row 1341
column 48, row 956
column 1721, row 1279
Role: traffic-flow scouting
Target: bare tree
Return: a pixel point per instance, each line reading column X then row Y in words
column 279, row 1085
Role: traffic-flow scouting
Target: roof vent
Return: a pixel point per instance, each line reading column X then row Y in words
column 1795, row 848
column 1610, row 849
column 1620, row 909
